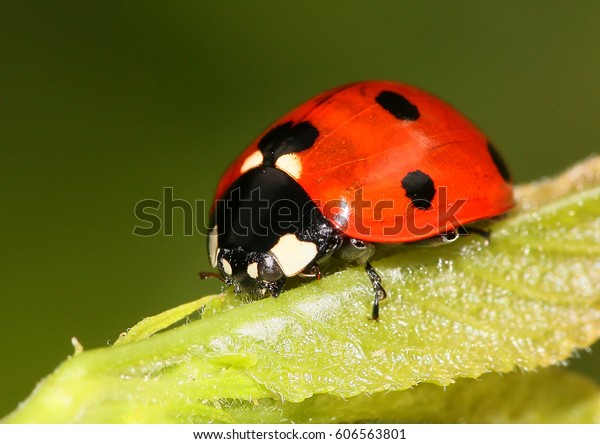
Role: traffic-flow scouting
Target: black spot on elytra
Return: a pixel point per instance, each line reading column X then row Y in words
column 419, row 189
column 397, row 105
column 285, row 139
column 274, row 136
column 499, row 162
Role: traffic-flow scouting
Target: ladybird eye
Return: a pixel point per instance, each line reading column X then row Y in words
column 269, row 270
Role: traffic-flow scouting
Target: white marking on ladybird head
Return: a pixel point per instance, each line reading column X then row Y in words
column 252, row 161
column 291, row 164
column 213, row 246
column 252, row 270
column 292, row 254
column 226, row 267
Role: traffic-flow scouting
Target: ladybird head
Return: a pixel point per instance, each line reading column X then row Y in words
column 265, row 229
column 250, row 272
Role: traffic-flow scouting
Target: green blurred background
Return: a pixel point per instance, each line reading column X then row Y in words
column 105, row 103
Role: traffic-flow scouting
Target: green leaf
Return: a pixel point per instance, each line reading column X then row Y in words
column 149, row 326
column 550, row 396
column 526, row 299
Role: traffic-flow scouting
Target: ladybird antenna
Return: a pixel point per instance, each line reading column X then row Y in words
column 209, row 274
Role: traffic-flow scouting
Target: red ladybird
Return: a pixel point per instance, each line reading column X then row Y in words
column 368, row 162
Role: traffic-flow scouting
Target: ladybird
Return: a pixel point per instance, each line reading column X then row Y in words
column 362, row 164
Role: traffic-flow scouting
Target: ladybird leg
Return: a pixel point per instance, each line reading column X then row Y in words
column 209, row 274
column 355, row 250
column 441, row 239
column 312, row 271
column 380, row 293
column 275, row 288
column 486, row 234
column 450, row 236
